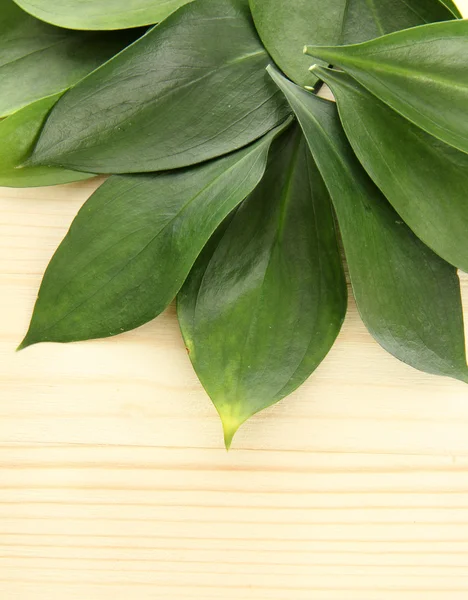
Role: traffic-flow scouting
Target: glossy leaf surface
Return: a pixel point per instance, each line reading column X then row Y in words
column 407, row 296
column 191, row 89
column 18, row 134
column 421, row 73
column 133, row 244
column 425, row 180
column 265, row 302
column 285, row 27
column 101, row 14
column 38, row 60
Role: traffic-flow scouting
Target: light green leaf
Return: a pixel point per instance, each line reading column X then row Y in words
column 38, row 60
column 101, row 14
column 421, row 73
column 407, row 296
column 191, row 89
column 133, row 244
column 286, row 26
column 266, row 300
column 425, row 180
column 18, row 134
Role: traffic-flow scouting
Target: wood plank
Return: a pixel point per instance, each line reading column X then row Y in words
column 115, row 485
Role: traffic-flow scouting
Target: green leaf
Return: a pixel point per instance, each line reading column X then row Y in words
column 453, row 8
column 38, row 60
column 286, row 26
column 266, row 300
column 18, row 134
column 421, row 73
column 101, row 14
column 178, row 96
column 133, row 244
column 407, row 296
column 425, row 180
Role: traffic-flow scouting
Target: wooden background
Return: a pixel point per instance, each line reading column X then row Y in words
column 114, row 482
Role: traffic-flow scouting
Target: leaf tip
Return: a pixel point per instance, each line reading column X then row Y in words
column 231, row 423
column 230, row 429
column 30, row 339
column 24, row 344
column 26, row 163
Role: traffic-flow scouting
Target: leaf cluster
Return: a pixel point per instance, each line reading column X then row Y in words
column 233, row 187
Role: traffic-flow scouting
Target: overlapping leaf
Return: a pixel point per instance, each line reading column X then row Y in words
column 265, row 302
column 193, row 88
column 101, row 14
column 420, row 72
column 38, row 60
column 18, row 134
column 134, row 242
column 425, row 180
column 286, row 26
column 408, row 297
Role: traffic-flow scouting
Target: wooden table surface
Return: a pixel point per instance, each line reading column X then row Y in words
column 115, row 485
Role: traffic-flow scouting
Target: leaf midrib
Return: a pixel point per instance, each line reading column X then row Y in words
column 151, row 103
column 148, row 244
column 284, row 201
column 36, row 51
column 373, row 10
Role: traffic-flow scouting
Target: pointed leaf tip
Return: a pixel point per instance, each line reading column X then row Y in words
column 285, row 26
column 30, row 339
column 390, row 67
column 24, row 344
column 95, row 304
column 114, row 144
column 18, row 133
column 231, row 424
column 288, row 292
column 29, row 162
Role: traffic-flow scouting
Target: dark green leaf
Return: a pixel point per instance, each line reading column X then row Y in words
column 421, row 73
column 101, row 14
column 425, row 180
column 408, row 297
column 191, row 89
column 286, row 26
column 133, row 244
column 265, row 302
column 18, row 134
column 453, row 8
column 38, row 60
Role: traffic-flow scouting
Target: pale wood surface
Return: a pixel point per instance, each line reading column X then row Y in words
column 114, row 483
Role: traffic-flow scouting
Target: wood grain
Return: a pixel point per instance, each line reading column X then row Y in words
column 114, row 483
